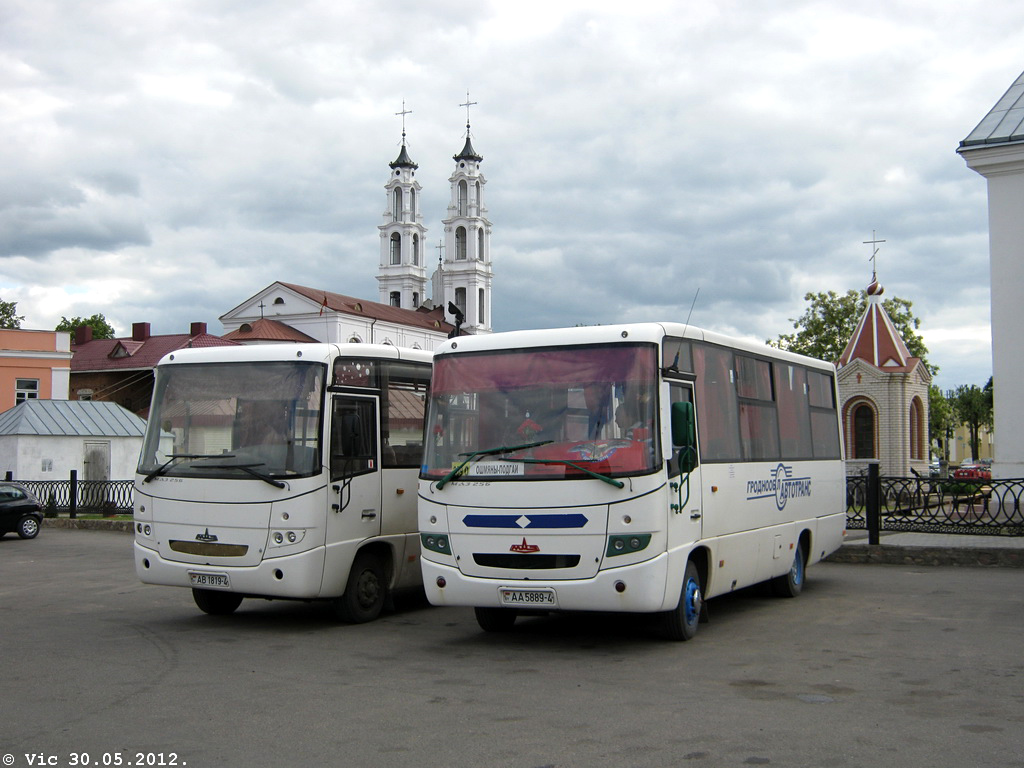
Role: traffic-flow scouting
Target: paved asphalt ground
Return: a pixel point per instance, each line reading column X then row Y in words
column 874, row 665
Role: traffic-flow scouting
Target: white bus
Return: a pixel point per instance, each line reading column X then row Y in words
column 283, row 471
column 634, row 468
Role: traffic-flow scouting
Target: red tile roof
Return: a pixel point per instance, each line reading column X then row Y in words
column 266, row 329
column 95, row 355
column 432, row 320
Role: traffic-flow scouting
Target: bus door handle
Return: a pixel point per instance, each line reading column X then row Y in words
column 369, row 514
column 695, row 515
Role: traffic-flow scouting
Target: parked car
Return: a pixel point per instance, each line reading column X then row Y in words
column 20, row 511
column 972, row 471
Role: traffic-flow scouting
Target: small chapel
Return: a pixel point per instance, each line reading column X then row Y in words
column 884, row 396
column 460, row 286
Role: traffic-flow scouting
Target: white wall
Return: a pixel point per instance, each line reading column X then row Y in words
column 28, row 456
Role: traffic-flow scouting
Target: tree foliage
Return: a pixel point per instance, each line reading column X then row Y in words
column 101, row 329
column 8, row 315
column 973, row 407
column 828, row 323
column 942, row 419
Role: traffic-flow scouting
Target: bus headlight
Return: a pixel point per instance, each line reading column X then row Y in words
column 436, row 542
column 625, row 545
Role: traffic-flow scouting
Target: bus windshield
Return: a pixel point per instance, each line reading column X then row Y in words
column 235, row 421
column 550, row 413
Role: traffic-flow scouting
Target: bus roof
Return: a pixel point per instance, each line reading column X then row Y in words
column 319, row 352
column 606, row 334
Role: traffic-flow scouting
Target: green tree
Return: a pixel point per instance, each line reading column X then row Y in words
column 101, row 329
column 8, row 318
column 973, row 407
column 828, row 323
column 942, row 419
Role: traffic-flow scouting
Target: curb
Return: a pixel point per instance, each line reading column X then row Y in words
column 117, row 526
column 981, row 557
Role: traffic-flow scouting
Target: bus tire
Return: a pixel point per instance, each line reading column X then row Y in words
column 496, row 619
column 681, row 622
column 366, row 590
column 792, row 583
column 216, row 603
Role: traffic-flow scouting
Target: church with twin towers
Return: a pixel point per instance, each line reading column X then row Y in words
column 463, row 275
column 414, row 310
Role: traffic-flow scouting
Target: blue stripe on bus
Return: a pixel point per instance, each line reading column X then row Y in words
column 571, row 520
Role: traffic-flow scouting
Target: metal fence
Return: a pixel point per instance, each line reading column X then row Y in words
column 935, row 505
column 74, row 496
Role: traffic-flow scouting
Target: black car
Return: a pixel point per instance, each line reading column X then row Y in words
column 20, row 511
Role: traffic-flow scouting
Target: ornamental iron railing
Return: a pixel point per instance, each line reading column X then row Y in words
column 74, row 496
column 935, row 505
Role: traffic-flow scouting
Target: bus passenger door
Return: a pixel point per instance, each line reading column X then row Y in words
column 354, row 508
column 686, row 511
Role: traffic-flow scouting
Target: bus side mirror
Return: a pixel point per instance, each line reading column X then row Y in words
column 684, row 435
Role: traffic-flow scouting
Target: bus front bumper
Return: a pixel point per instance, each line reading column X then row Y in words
column 638, row 588
column 294, row 576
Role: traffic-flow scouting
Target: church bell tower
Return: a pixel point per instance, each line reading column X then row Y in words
column 402, row 278
column 466, row 272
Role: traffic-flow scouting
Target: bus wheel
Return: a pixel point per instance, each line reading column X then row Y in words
column 365, row 592
column 216, row 603
column 792, row 583
column 681, row 623
column 496, row 619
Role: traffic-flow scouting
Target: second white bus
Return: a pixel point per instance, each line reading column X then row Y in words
column 635, row 468
column 283, row 471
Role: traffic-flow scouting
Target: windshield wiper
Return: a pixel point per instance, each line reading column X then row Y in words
column 489, row 452
column 248, row 469
column 605, row 478
column 176, row 456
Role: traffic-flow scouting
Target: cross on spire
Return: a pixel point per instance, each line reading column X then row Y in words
column 440, row 251
column 874, row 254
column 467, row 105
column 403, row 113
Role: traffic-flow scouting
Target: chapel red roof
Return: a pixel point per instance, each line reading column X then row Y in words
column 876, row 340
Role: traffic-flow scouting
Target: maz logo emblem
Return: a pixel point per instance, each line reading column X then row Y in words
column 206, row 536
column 524, row 547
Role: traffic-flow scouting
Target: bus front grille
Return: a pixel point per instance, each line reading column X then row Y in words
column 521, row 562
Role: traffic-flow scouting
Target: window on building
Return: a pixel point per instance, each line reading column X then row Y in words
column 460, row 243
column 917, row 440
column 480, row 307
column 463, row 198
column 863, row 423
column 396, row 248
column 396, row 299
column 416, row 250
column 480, row 244
column 396, row 205
column 460, row 299
column 415, row 300
column 26, row 389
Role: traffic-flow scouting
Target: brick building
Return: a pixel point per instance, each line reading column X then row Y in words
column 884, row 396
column 121, row 370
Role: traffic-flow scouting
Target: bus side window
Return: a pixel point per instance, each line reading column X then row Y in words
column 353, row 437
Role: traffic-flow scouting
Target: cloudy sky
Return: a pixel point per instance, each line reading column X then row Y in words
column 163, row 161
